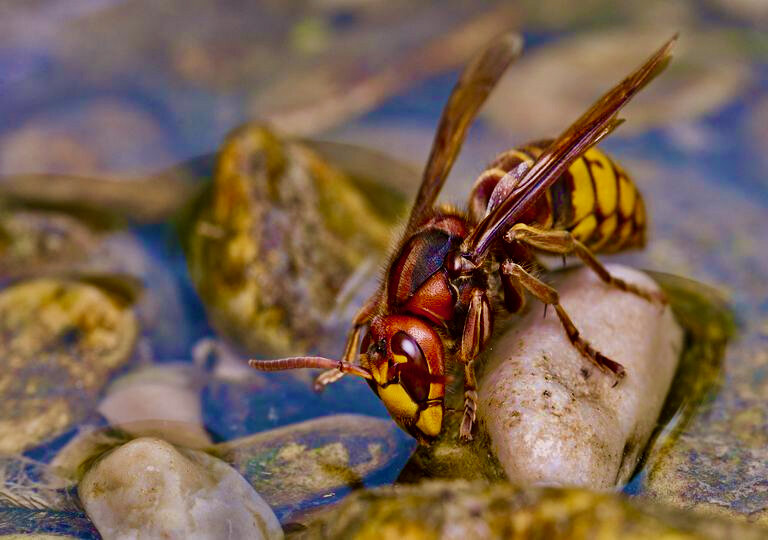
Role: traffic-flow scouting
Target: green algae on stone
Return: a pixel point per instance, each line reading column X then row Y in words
column 709, row 325
column 276, row 239
column 60, row 339
column 314, row 462
column 459, row 510
column 718, row 464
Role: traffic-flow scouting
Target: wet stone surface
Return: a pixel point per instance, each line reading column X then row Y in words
column 460, row 510
column 76, row 330
column 317, row 462
column 707, row 324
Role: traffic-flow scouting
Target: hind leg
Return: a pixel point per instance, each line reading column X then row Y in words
column 563, row 243
column 548, row 295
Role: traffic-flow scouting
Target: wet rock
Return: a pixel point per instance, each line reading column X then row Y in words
column 76, row 457
column 554, row 418
column 34, row 536
column 149, row 489
column 159, row 400
column 271, row 250
column 88, row 138
column 36, row 241
column 716, row 460
column 59, row 341
column 318, row 461
column 708, row 324
column 460, row 510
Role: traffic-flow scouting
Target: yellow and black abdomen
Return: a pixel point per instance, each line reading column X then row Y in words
column 594, row 199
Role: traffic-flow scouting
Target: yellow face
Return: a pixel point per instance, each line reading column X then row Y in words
column 411, row 394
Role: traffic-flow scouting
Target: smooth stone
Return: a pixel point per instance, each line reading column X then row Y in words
column 554, row 418
column 148, row 488
column 318, row 461
column 545, row 100
column 461, row 510
column 161, row 400
column 88, row 138
column 60, row 340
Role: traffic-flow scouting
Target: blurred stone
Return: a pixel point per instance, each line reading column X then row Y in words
column 552, row 416
column 278, row 246
column 95, row 137
column 161, row 401
column 318, row 461
column 78, row 454
column 748, row 11
column 552, row 86
column 38, row 241
column 61, row 339
column 149, row 489
column 459, row 510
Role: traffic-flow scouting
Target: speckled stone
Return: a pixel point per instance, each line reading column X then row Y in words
column 318, row 461
column 270, row 248
column 149, row 489
column 459, row 510
column 716, row 462
column 59, row 342
column 555, row 419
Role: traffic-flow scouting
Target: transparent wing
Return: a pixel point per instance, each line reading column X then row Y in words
column 475, row 84
column 587, row 131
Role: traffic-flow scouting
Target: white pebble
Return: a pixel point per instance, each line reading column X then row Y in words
column 555, row 419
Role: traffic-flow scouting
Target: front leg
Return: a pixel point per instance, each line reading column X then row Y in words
column 363, row 317
column 477, row 331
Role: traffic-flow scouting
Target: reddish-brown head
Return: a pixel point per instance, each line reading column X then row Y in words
column 406, row 359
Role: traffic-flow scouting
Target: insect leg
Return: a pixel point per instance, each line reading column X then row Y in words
column 563, row 242
column 477, row 331
column 362, row 318
column 548, row 295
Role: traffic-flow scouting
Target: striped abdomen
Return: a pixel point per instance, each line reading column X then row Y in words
column 594, row 199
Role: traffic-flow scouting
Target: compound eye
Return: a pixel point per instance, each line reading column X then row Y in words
column 413, row 371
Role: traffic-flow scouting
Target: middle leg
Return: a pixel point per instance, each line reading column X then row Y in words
column 476, row 333
column 548, row 295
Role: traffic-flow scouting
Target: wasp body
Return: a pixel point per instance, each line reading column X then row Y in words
column 435, row 305
column 595, row 200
